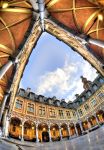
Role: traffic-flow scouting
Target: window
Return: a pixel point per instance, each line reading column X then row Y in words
column 74, row 114
column 95, row 87
column 61, row 114
column 93, row 102
column 80, row 112
column 40, row 98
column 41, row 110
column 50, row 101
column 30, row 108
column 89, row 93
column 83, row 98
column 86, row 106
column 52, row 112
column 101, row 80
column 100, row 95
column 18, row 104
column 68, row 114
column 58, row 103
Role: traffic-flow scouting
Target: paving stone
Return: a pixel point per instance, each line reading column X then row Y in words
column 91, row 141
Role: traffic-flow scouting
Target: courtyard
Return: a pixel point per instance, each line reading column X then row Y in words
column 91, row 141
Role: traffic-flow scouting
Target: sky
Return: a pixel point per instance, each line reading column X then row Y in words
column 54, row 69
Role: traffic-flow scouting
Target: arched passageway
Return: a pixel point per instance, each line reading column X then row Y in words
column 55, row 134
column 43, row 134
column 64, row 131
column 29, row 131
column 100, row 116
column 72, row 129
column 15, row 129
column 92, row 121
column 85, row 125
column 78, row 129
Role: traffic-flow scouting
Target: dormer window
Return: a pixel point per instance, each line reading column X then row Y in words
column 89, row 93
column 95, row 87
column 40, row 98
column 83, row 98
column 50, row 101
column 101, row 80
column 58, row 103
column 21, row 92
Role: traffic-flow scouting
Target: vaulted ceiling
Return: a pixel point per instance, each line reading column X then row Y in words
column 21, row 26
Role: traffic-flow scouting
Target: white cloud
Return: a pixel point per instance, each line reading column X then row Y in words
column 59, row 79
column 89, row 73
column 65, row 82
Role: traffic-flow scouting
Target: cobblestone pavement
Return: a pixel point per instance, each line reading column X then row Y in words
column 7, row 146
column 91, row 141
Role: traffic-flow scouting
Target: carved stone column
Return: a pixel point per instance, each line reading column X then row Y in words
column 4, row 121
column 37, row 139
column 80, row 124
column 69, row 131
column 5, row 68
column 89, row 124
column 7, row 126
column 22, row 138
column 76, row 131
column 49, row 134
column 3, row 104
column 97, row 120
column 60, row 133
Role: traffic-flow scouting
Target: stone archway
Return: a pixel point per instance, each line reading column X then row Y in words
column 92, row 121
column 100, row 116
column 64, row 131
column 78, row 129
column 15, row 128
column 43, row 134
column 29, row 131
column 72, row 129
column 55, row 134
column 85, row 125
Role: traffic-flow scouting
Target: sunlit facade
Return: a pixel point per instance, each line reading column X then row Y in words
column 40, row 119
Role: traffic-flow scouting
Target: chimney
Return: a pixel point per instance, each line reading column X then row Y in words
column 27, row 91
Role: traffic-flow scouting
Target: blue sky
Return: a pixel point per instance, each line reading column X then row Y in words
column 54, row 69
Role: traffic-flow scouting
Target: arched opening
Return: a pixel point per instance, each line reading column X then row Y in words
column 72, row 129
column 85, row 125
column 43, row 132
column 100, row 116
column 45, row 136
column 92, row 121
column 29, row 131
column 55, row 135
column 64, row 131
column 15, row 130
column 78, row 129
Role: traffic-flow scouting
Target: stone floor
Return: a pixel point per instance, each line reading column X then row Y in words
column 91, row 141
